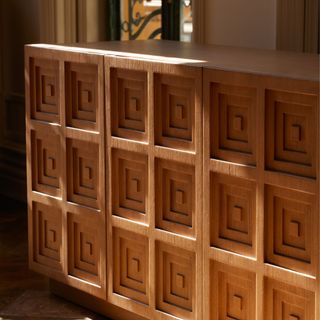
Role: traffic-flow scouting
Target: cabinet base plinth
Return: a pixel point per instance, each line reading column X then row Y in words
column 97, row 305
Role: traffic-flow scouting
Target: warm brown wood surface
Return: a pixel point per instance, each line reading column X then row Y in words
column 190, row 191
column 65, row 167
column 261, row 197
column 171, row 170
column 257, row 61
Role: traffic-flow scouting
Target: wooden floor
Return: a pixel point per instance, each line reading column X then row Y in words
column 23, row 293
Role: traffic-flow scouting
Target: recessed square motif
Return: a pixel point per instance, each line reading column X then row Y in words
column 175, row 197
column 291, row 132
column 129, row 184
column 232, row 293
column 46, row 163
column 174, row 111
column 286, row 302
column 46, row 237
column 82, row 172
column 291, row 229
column 44, row 90
column 82, row 101
column 130, row 265
column 233, row 123
column 175, row 280
column 233, row 214
column 129, row 107
column 84, row 253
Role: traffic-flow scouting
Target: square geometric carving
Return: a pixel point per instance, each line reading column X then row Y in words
column 233, row 214
column 175, row 280
column 44, row 90
column 233, row 293
column 129, row 104
column 82, row 95
column 174, row 104
column 291, row 132
column 46, row 165
column 131, row 263
column 84, row 247
column 175, row 197
column 83, row 172
column 47, row 229
column 232, row 123
column 129, row 184
column 286, row 302
column 291, row 229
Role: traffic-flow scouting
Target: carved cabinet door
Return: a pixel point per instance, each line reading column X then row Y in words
column 154, row 159
column 65, row 162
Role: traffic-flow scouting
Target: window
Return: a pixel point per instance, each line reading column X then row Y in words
column 151, row 19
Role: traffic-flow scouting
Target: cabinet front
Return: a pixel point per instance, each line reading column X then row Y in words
column 261, row 184
column 174, row 191
column 154, row 157
column 65, row 162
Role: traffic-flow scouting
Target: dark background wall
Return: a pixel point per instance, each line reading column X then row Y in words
column 19, row 25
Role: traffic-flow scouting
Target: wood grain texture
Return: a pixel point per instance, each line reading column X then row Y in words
column 254, row 61
column 130, row 185
column 82, row 95
column 155, row 185
column 90, row 302
column 232, row 293
column 290, row 126
column 284, row 301
column 131, row 262
column 233, row 214
column 65, row 167
column 291, row 25
column 284, row 201
column 46, row 160
column 188, row 192
column 129, row 106
column 232, row 123
column 297, row 25
column 291, row 233
column 44, row 89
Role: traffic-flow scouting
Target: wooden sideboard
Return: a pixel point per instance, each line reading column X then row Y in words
column 175, row 181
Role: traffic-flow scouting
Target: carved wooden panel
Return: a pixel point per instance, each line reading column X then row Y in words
column 82, row 170
column 46, row 162
column 44, row 90
column 47, row 235
column 66, row 168
column 154, row 187
column 129, row 107
column 174, row 107
column 233, row 123
column 291, row 132
column 288, row 302
column 129, row 184
column 233, row 214
column 175, row 281
column 291, row 232
column 175, row 197
column 232, row 294
column 84, row 248
column 211, row 179
column 82, row 95
column 130, row 265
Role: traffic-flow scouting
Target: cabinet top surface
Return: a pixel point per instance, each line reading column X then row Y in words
column 302, row 66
